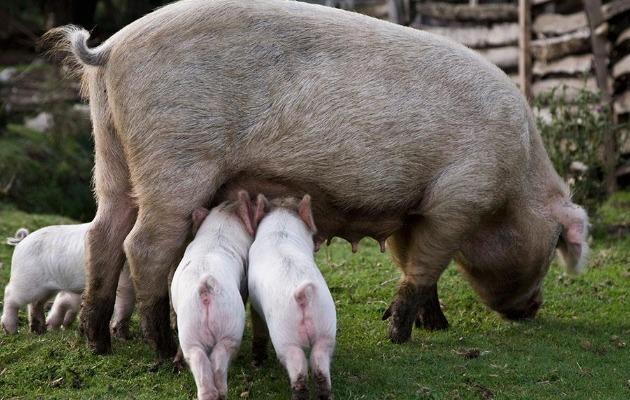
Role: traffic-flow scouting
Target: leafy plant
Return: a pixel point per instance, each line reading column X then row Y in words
column 49, row 172
column 573, row 133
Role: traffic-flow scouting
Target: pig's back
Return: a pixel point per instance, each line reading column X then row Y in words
column 269, row 84
column 54, row 254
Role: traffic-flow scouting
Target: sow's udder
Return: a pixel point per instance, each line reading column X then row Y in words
column 331, row 220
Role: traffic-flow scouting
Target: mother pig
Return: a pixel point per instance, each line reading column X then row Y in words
column 395, row 132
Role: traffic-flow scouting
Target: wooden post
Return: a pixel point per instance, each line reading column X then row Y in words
column 596, row 18
column 396, row 12
column 524, row 53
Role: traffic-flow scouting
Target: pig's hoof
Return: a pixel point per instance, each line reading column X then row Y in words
column 299, row 389
column 432, row 321
column 37, row 327
column 94, row 324
column 156, row 328
column 402, row 314
column 324, row 391
column 179, row 363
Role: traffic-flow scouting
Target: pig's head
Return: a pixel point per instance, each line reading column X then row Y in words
column 507, row 258
column 301, row 207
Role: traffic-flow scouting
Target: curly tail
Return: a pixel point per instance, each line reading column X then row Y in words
column 207, row 289
column 71, row 42
column 303, row 294
column 19, row 236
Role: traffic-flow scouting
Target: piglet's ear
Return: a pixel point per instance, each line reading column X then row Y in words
column 198, row 215
column 245, row 212
column 262, row 207
column 306, row 214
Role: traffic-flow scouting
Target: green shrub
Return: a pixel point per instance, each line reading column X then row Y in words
column 49, row 172
column 575, row 133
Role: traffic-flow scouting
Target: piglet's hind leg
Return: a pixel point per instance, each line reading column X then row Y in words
column 220, row 359
column 201, row 369
column 321, row 355
column 294, row 361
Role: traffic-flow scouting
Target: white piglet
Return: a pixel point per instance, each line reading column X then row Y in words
column 207, row 293
column 289, row 294
column 49, row 261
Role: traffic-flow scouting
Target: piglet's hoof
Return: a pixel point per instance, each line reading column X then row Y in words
column 299, row 389
column 179, row 364
column 322, row 386
column 37, row 327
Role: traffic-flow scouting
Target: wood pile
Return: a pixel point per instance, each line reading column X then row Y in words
column 491, row 29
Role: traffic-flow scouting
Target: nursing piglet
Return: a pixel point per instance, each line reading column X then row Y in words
column 207, row 290
column 289, row 294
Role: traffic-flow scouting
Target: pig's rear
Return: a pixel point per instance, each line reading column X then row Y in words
column 316, row 311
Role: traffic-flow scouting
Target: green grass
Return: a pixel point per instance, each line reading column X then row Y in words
column 577, row 348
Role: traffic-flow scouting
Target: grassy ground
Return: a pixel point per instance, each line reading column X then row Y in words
column 577, row 348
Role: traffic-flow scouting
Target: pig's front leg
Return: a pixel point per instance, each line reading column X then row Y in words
column 430, row 316
column 36, row 316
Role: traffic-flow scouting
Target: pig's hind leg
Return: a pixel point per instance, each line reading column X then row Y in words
column 220, row 358
column 294, row 360
column 321, row 355
column 201, row 369
column 156, row 243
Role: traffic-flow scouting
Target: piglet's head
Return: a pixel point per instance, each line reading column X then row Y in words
column 302, row 208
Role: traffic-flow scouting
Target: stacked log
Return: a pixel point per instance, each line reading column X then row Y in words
column 491, row 29
column 561, row 48
column 618, row 13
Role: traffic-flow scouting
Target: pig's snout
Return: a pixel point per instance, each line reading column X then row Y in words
column 527, row 311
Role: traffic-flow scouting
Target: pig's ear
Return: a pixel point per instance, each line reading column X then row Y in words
column 198, row 215
column 262, row 207
column 245, row 212
column 306, row 214
column 573, row 244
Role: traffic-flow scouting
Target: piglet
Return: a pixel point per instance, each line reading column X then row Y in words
column 289, row 295
column 45, row 262
column 207, row 293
